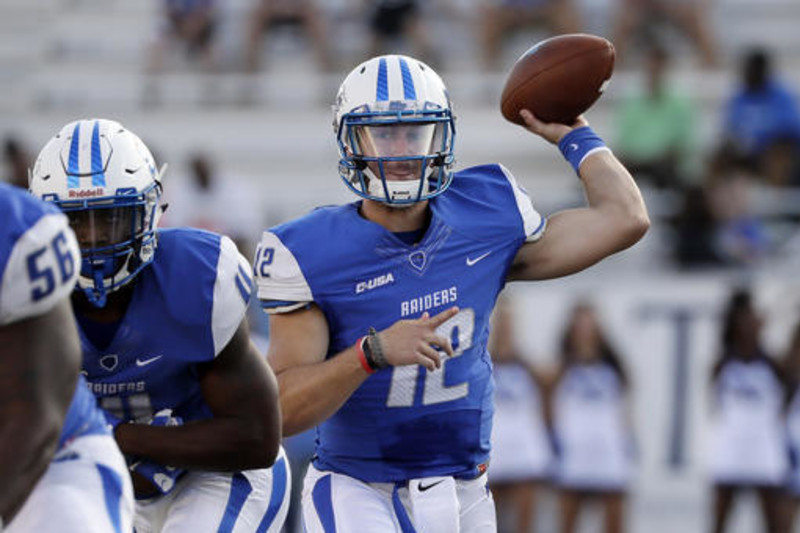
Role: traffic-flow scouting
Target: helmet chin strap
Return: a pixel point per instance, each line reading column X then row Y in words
column 97, row 296
column 95, row 287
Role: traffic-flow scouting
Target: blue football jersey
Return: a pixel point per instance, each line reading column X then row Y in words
column 406, row 422
column 39, row 258
column 185, row 308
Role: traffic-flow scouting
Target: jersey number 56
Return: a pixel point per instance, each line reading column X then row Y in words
column 48, row 261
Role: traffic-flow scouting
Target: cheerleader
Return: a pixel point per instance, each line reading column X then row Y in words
column 521, row 451
column 791, row 369
column 591, row 424
column 748, row 441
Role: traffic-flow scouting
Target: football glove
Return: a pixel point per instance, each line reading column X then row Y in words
column 164, row 418
column 161, row 476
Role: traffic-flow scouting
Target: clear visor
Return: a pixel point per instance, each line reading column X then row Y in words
column 396, row 140
column 104, row 229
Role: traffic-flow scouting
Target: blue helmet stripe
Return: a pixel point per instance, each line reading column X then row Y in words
column 98, row 174
column 73, row 168
column 382, row 93
column 408, row 82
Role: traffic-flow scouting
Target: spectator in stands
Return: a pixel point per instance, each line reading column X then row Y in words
column 226, row 205
column 521, row 450
column 270, row 15
column 591, row 422
column 499, row 19
column 187, row 23
column 695, row 230
column 741, row 236
column 642, row 18
column 655, row 126
column 748, row 441
column 17, row 162
column 761, row 121
column 393, row 23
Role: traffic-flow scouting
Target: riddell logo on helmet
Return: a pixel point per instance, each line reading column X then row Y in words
column 87, row 193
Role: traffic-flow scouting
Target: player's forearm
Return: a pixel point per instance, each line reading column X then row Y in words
column 312, row 393
column 221, row 443
column 26, row 448
column 611, row 189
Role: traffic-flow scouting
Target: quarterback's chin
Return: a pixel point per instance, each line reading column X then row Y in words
column 403, row 207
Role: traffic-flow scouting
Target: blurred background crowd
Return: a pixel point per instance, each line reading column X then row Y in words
column 690, row 383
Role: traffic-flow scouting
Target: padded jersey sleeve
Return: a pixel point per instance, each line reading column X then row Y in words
column 232, row 290
column 40, row 270
column 533, row 223
column 282, row 287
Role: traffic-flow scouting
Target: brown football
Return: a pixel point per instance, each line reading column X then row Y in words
column 558, row 78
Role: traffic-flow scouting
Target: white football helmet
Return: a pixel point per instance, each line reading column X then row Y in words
column 395, row 130
column 105, row 180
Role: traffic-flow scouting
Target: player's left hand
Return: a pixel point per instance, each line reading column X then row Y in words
column 550, row 131
column 416, row 341
column 162, row 477
column 149, row 476
column 164, row 418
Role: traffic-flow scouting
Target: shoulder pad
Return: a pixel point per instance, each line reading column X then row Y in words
column 41, row 269
column 232, row 291
column 282, row 287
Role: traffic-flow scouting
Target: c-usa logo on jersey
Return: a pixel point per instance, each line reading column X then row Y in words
column 374, row 283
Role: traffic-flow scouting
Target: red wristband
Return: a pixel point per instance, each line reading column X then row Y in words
column 362, row 358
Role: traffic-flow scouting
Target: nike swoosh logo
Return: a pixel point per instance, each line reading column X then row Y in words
column 573, row 147
column 423, row 488
column 471, row 261
column 145, row 362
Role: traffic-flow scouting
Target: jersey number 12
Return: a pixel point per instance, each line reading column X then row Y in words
column 402, row 391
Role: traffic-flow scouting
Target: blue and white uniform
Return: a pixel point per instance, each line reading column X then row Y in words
column 521, row 449
column 186, row 306
column 748, row 435
column 86, row 488
column 403, row 423
column 793, row 436
column 592, row 433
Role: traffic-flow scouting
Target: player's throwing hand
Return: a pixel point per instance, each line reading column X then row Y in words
column 552, row 132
